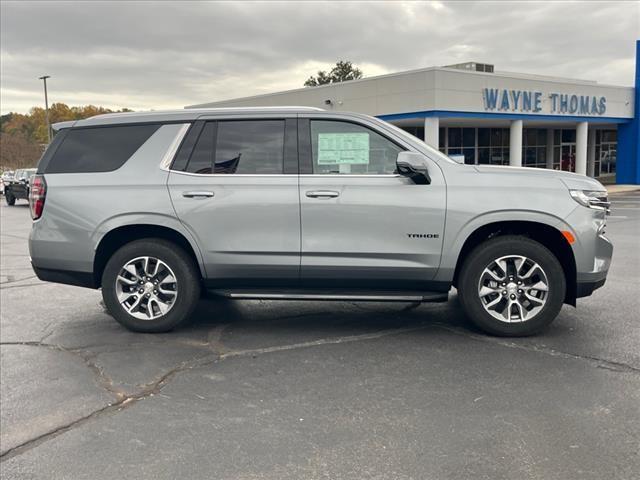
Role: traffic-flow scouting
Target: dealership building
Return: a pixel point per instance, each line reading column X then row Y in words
column 485, row 116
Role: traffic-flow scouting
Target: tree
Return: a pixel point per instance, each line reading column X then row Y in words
column 342, row 72
column 17, row 152
column 23, row 136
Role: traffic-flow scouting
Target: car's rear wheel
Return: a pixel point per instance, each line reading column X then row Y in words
column 512, row 286
column 10, row 199
column 150, row 285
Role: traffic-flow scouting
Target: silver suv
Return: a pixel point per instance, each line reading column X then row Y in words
column 301, row 203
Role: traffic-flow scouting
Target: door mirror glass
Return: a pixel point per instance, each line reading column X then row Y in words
column 414, row 166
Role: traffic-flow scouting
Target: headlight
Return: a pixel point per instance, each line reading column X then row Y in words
column 595, row 199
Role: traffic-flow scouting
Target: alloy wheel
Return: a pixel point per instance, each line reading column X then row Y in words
column 146, row 288
column 513, row 288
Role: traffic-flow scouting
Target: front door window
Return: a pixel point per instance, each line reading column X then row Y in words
column 347, row 148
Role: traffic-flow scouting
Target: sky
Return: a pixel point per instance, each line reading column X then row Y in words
column 168, row 54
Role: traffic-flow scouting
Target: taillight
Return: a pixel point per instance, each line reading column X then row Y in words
column 37, row 195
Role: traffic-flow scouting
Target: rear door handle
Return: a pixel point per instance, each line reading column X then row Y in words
column 198, row 194
column 322, row 194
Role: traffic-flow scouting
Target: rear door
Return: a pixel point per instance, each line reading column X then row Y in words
column 363, row 225
column 236, row 191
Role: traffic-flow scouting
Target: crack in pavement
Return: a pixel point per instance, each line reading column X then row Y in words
column 103, row 380
column 12, row 279
column 214, row 339
column 123, row 400
column 325, row 341
column 150, row 389
column 219, row 352
column 598, row 362
column 39, row 284
column 13, row 236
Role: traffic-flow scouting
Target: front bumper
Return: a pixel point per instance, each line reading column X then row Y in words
column 592, row 250
column 584, row 289
column 588, row 280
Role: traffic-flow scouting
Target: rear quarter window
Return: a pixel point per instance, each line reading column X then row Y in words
column 98, row 149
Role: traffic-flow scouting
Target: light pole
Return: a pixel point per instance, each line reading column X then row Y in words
column 46, row 105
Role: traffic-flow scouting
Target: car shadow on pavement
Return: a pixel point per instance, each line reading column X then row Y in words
column 328, row 317
column 129, row 362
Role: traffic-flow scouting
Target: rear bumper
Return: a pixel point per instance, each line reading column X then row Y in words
column 68, row 277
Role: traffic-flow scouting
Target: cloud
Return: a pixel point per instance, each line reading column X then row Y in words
column 145, row 55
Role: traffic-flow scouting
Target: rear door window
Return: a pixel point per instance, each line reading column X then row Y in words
column 201, row 160
column 249, row 147
column 98, row 149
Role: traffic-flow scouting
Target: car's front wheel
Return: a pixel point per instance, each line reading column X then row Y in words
column 150, row 285
column 512, row 286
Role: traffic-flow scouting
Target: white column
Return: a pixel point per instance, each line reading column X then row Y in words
column 431, row 131
column 550, row 134
column 515, row 144
column 591, row 153
column 581, row 147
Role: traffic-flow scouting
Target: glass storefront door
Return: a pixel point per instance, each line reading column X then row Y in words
column 606, row 153
column 490, row 146
column 568, row 157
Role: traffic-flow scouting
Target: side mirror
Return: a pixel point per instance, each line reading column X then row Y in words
column 414, row 166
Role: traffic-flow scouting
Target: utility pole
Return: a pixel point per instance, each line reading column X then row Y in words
column 46, row 105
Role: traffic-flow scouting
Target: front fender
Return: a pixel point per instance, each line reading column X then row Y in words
column 459, row 229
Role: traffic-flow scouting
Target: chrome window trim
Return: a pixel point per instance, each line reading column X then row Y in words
column 350, row 175
column 231, row 175
column 173, row 148
column 306, row 175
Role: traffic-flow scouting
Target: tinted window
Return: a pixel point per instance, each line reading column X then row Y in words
column 202, row 155
column 241, row 147
column 250, row 147
column 101, row 149
column 181, row 158
column 348, row 148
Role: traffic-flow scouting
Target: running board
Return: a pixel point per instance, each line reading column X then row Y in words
column 333, row 295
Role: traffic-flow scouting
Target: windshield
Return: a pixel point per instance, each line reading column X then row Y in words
column 432, row 151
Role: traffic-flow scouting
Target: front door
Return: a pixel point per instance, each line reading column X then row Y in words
column 363, row 225
column 240, row 204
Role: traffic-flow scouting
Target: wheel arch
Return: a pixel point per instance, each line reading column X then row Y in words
column 545, row 234
column 121, row 235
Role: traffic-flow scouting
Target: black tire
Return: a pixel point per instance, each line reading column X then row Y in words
column 10, row 199
column 184, row 269
column 483, row 255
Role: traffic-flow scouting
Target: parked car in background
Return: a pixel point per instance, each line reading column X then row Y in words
column 301, row 203
column 5, row 178
column 18, row 187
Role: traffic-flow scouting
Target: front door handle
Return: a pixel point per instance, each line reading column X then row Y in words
column 198, row 194
column 322, row 194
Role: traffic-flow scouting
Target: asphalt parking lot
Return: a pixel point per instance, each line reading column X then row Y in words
column 291, row 390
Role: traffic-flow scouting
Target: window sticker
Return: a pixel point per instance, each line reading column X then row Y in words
column 343, row 148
